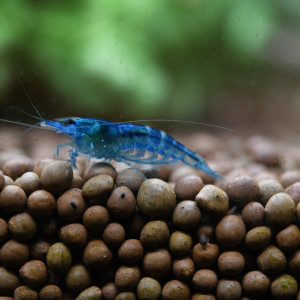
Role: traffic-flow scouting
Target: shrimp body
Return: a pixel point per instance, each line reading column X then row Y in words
column 124, row 142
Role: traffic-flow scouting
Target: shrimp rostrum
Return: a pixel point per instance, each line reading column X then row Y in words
column 123, row 142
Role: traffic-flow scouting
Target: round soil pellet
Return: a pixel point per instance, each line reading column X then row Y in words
column 156, row 198
column 12, row 199
column 131, row 251
column 3, row 230
column 155, row 234
column 22, row 226
column 213, row 200
column 180, row 243
column 298, row 211
column 157, row 263
column 78, row 278
column 97, row 255
column 188, row 187
column 186, row 215
column 57, row 176
column 114, row 234
column 77, row 182
column 183, row 268
column 92, row 292
column 127, row 277
column 289, row 177
column 99, row 169
column 231, row 263
column 16, row 167
column 24, row 292
column 34, row 273
column 284, row 287
column 268, row 188
column 71, row 205
column 288, row 239
column 294, row 263
column 41, row 204
column 130, row 178
column 258, row 238
column 96, row 218
column 255, row 283
column 199, row 296
column 121, row 203
column 294, row 191
column 59, row 258
column 271, row 261
column 73, row 235
column 39, row 166
column 280, row 210
column 8, row 281
column 13, row 254
column 50, row 292
column 126, row 296
column 230, row 231
column 228, row 289
column 205, row 255
column 148, row 289
column 242, row 190
column 2, row 180
column 97, row 189
column 39, row 249
column 253, row 214
column 8, row 181
column 175, row 290
column 205, row 280
column 110, row 291
column 29, row 182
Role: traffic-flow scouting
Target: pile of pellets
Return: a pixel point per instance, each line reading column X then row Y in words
column 98, row 233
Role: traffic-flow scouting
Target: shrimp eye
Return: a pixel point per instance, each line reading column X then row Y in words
column 69, row 122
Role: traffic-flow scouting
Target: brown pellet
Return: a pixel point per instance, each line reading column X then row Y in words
column 50, row 292
column 57, row 176
column 188, row 187
column 131, row 251
column 230, row 231
column 157, row 263
column 71, row 205
column 114, row 234
column 12, row 199
column 41, row 204
column 34, row 273
column 121, row 203
column 96, row 218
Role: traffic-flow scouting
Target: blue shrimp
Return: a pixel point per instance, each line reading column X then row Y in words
column 123, row 142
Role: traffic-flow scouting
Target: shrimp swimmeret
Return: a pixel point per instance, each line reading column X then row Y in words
column 123, row 142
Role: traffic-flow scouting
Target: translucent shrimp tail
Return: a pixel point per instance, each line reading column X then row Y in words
column 205, row 168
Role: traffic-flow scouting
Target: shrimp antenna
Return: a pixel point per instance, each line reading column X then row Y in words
column 23, row 124
column 23, row 132
column 28, row 97
column 180, row 121
column 24, row 112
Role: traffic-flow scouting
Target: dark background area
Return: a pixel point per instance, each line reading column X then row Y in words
column 230, row 63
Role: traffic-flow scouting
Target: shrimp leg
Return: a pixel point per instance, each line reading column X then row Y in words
column 56, row 153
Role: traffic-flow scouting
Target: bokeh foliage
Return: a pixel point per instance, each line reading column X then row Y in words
column 138, row 58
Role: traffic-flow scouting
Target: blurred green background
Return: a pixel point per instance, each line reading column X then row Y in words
column 219, row 61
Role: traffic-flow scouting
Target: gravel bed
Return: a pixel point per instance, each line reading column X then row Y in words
column 104, row 232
